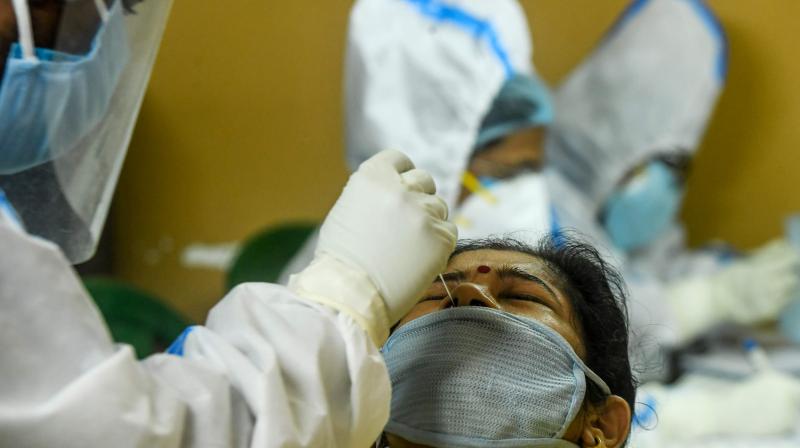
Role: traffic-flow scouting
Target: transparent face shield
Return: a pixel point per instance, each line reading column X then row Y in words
column 73, row 83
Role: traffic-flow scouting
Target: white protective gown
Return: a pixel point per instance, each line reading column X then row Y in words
column 648, row 88
column 419, row 77
column 267, row 370
column 421, row 74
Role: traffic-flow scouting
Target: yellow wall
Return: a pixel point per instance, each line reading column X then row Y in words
column 242, row 128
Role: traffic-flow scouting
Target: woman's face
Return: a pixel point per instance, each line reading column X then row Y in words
column 514, row 282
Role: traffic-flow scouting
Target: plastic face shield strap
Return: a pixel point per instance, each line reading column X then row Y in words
column 25, row 28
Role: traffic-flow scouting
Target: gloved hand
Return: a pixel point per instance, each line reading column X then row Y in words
column 748, row 291
column 766, row 403
column 381, row 244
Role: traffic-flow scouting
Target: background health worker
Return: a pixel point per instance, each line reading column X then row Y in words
column 626, row 123
column 428, row 92
column 629, row 120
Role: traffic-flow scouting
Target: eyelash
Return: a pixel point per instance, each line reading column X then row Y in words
column 525, row 297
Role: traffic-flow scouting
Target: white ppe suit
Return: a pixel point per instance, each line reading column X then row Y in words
column 420, row 75
column 649, row 89
column 272, row 367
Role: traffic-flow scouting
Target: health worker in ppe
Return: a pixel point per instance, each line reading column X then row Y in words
column 273, row 366
column 421, row 75
column 428, row 92
column 629, row 120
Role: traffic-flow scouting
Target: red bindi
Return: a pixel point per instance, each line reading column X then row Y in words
column 483, row 269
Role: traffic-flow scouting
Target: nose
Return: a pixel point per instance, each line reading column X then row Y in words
column 471, row 294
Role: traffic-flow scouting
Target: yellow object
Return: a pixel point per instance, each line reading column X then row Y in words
column 475, row 186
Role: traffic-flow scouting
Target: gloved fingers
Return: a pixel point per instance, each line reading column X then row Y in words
column 390, row 157
column 434, row 205
column 449, row 231
column 419, row 180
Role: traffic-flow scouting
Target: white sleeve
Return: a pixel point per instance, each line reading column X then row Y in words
column 268, row 370
column 310, row 375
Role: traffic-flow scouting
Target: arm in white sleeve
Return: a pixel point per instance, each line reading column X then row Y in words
column 273, row 367
column 310, row 375
column 749, row 290
column 269, row 370
column 704, row 406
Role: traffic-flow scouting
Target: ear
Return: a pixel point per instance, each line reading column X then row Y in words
column 609, row 424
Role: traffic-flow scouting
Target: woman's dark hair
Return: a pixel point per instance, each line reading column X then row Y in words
column 597, row 294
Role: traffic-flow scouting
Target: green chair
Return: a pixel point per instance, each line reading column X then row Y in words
column 264, row 256
column 134, row 316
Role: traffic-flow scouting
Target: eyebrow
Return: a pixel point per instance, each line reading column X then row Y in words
column 503, row 272
column 455, row 276
column 517, row 272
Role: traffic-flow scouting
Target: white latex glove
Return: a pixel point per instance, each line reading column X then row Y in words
column 767, row 403
column 751, row 290
column 381, row 245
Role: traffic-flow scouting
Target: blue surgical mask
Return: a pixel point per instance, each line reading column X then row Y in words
column 639, row 212
column 49, row 100
column 478, row 377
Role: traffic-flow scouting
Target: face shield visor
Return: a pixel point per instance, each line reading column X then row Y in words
column 73, row 80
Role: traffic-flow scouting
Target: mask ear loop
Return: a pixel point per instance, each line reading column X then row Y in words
column 453, row 302
column 24, row 29
column 102, row 10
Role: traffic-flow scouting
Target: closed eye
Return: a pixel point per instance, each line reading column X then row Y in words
column 525, row 297
column 439, row 297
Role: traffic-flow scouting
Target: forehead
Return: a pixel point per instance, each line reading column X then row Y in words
column 494, row 257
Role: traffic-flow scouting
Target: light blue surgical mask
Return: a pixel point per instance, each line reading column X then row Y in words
column 49, row 100
column 639, row 212
column 479, row 377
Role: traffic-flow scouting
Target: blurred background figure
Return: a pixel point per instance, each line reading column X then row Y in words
column 461, row 96
column 630, row 119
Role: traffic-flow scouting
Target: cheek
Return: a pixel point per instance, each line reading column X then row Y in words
column 547, row 316
column 419, row 310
